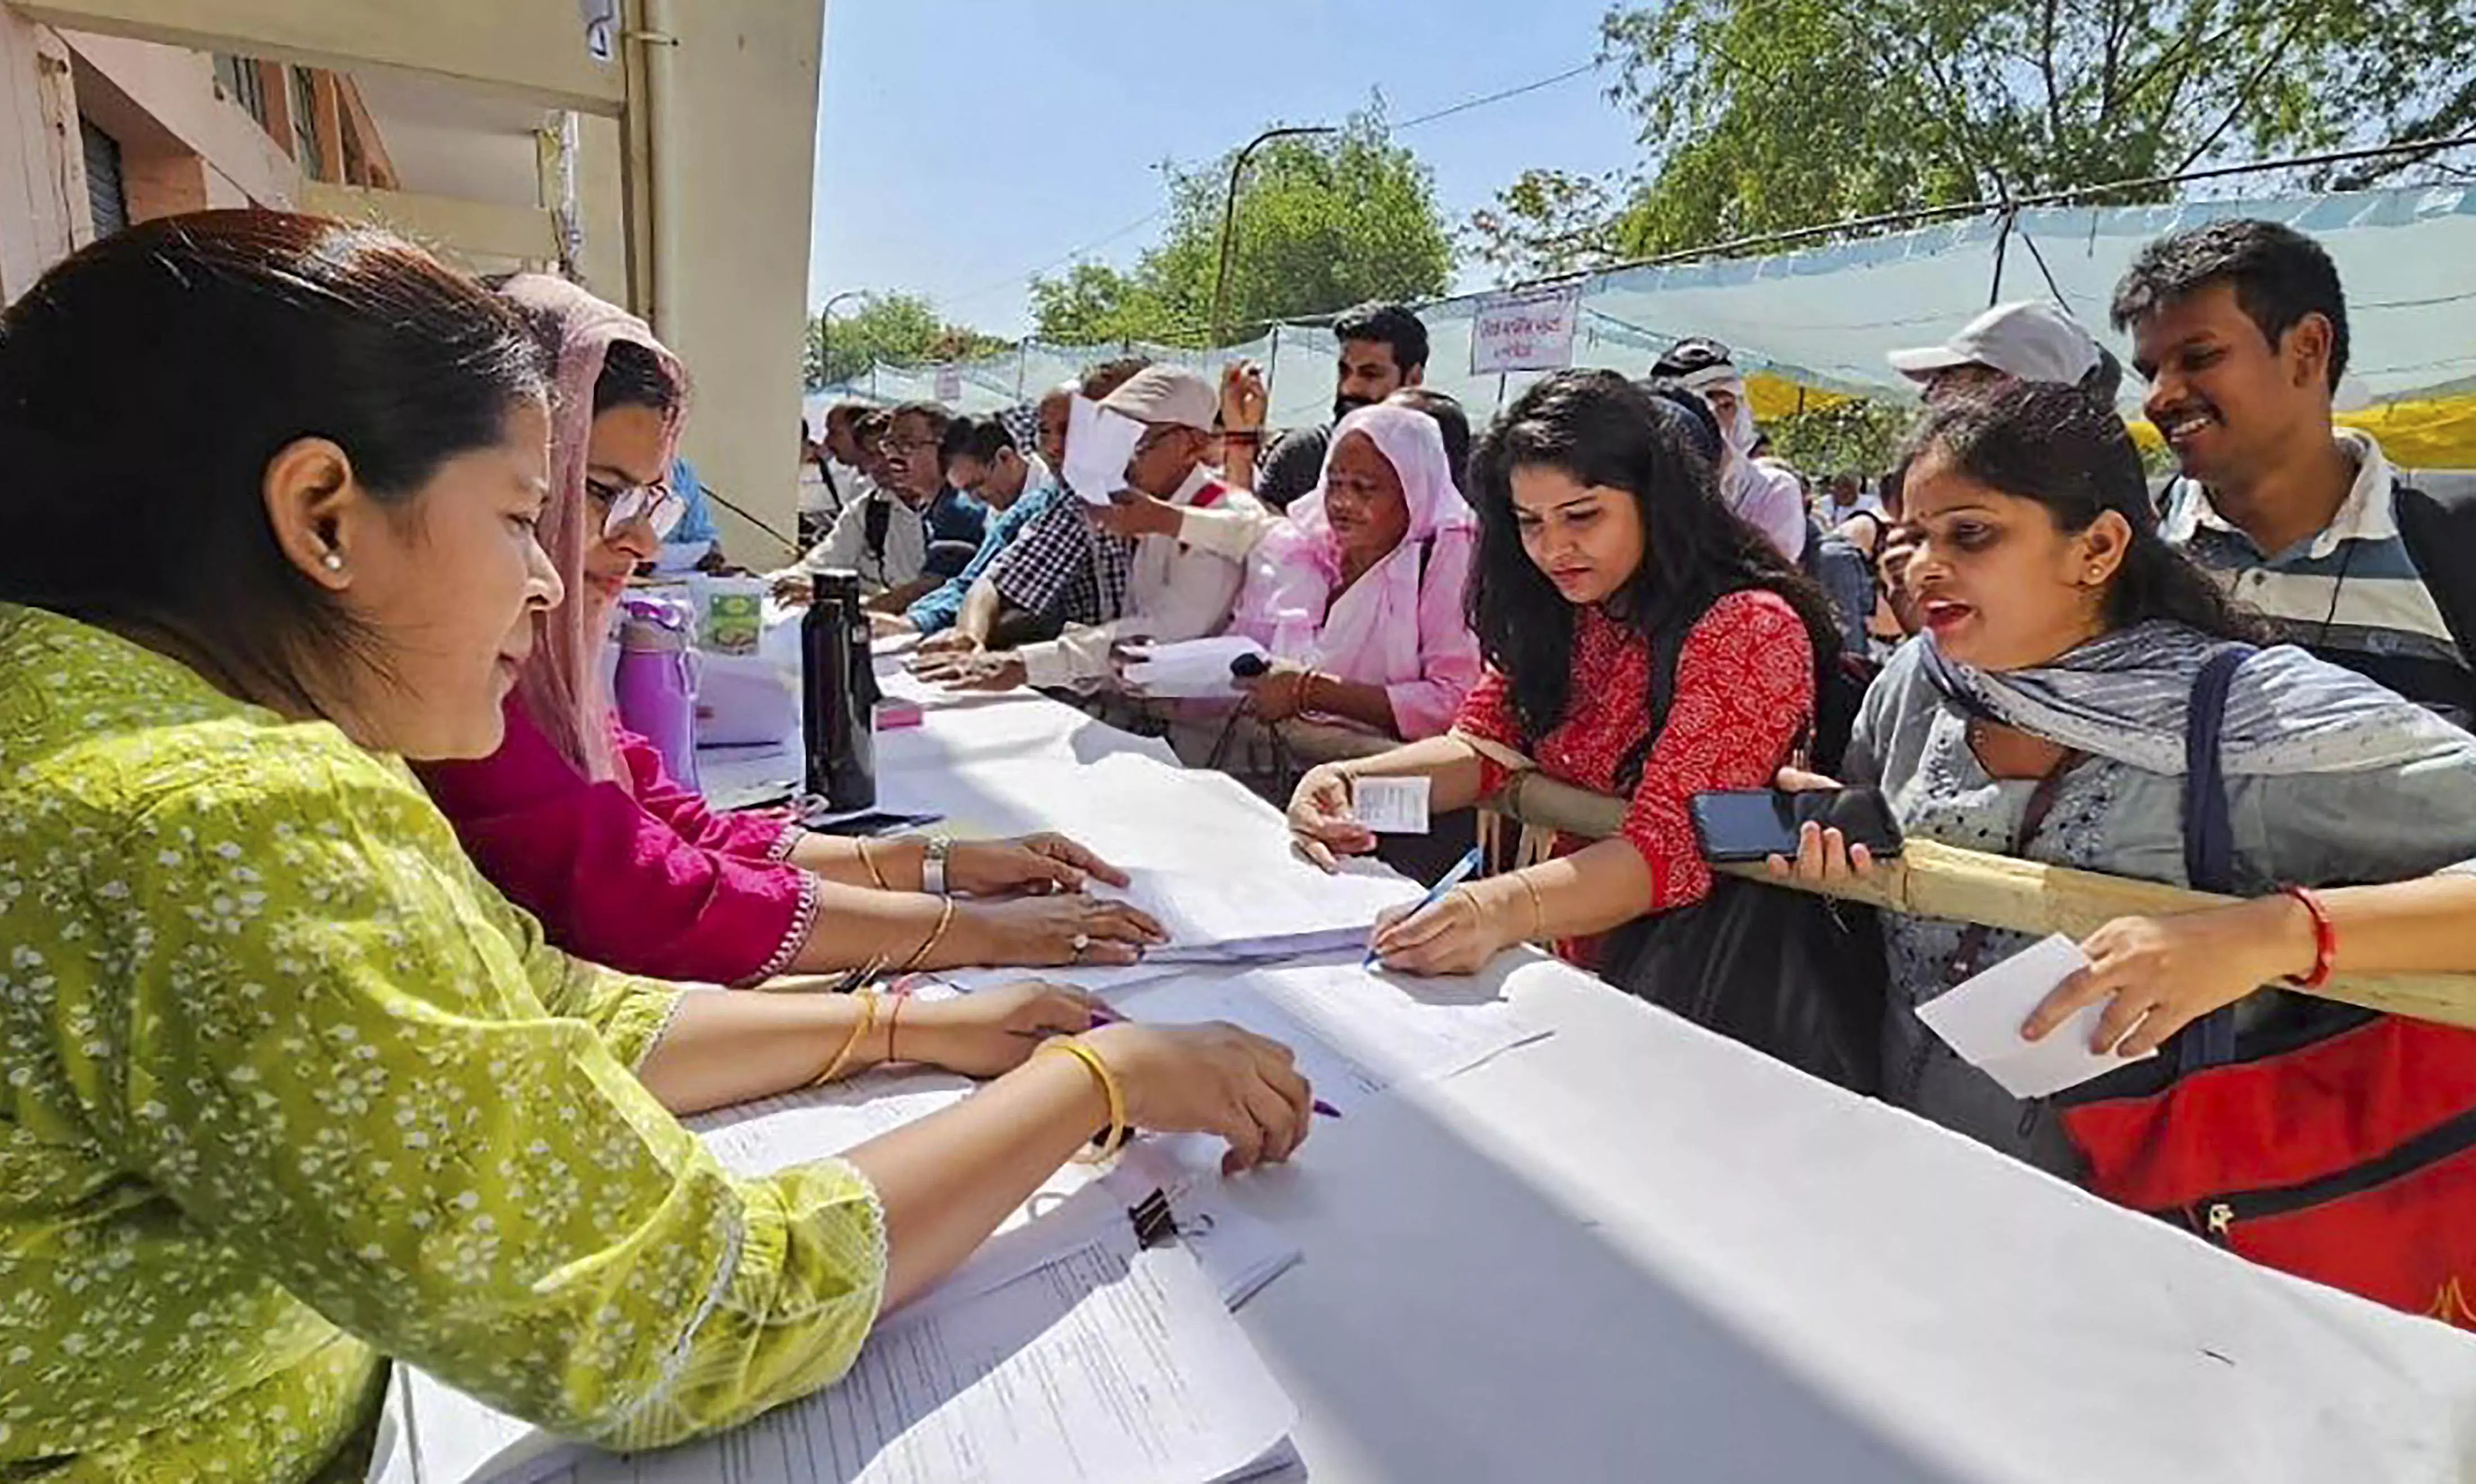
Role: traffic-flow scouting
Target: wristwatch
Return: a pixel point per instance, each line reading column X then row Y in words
column 932, row 865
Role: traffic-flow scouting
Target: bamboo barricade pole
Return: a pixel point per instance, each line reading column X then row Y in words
column 2020, row 896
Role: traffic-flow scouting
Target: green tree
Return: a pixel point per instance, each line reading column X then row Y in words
column 1765, row 115
column 1545, row 223
column 1322, row 222
column 1851, row 436
column 1093, row 304
column 897, row 329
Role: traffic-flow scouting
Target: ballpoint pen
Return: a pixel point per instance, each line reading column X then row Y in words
column 1460, row 872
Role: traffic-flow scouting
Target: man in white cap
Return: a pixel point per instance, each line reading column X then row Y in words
column 1165, row 584
column 2023, row 341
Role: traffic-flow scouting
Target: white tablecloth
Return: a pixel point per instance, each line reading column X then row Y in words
column 1637, row 1251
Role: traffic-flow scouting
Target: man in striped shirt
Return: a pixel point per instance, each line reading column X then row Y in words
column 2240, row 329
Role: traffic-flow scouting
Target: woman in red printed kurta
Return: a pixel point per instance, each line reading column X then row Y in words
column 1600, row 525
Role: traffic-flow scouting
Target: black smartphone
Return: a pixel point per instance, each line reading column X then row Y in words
column 872, row 824
column 1759, row 823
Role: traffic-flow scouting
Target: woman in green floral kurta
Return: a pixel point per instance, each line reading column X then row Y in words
column 284, row 1087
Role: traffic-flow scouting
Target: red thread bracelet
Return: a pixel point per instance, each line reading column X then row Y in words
column 2325, row 939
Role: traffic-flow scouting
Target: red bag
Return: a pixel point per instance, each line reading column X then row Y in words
column 2332, row 1143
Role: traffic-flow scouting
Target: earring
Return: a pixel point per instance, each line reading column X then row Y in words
column 333, row 561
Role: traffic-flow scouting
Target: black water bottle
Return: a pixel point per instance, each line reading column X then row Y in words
column 838, row 696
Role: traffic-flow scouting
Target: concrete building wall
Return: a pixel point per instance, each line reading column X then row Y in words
column 742, row 121
column 717, row 259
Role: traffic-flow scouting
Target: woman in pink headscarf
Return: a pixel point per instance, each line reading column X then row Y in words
column 1357, row 594
column 575, row 820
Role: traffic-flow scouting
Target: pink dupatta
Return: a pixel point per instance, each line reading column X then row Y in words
column 1400, row 624
column 561, row 687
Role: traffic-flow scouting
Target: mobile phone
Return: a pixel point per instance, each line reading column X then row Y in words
column 873, row 823
column 1758, row 823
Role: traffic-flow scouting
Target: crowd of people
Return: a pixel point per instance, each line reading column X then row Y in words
column 314, row 1058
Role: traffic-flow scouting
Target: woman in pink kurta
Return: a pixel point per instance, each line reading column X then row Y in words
column 1357, row 594
column 576, row 820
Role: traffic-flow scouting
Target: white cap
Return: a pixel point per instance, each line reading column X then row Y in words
column 1167, row 394
column 2032, row 341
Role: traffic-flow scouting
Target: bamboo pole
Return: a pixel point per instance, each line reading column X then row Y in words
column 2020, row 896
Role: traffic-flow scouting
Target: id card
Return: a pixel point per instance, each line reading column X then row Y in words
column 1390, row 806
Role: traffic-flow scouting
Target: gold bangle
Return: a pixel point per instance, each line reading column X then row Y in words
column 936, row 935
column 1118, row 1134
column 851, row 1043
column 874, row 874
column 1538, row 906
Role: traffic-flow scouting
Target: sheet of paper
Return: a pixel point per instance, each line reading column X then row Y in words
column 1337, row 1077
column 1074, row 1357
column 1408, row 1030
column 1981, row 1020
column 1390, row 806
column 1191, row 668
column 1240, row 1253
column 1279, row 908
column 1099, row 443
column 1102, row 981
column 1103, row 1363
column 795, row 1129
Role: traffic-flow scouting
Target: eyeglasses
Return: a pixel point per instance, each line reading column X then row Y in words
column 656, row 505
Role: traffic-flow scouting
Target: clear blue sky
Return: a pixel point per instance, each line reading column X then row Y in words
column 963, row 142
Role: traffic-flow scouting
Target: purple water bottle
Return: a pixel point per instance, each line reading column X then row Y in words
column 655, row 687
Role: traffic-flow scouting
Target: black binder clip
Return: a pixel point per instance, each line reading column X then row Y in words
column 1155, row 1223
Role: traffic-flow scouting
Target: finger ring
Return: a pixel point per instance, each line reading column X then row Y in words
column 1081, row 944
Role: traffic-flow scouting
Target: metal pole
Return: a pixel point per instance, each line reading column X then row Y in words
column 825, row 333
column 1230, row 220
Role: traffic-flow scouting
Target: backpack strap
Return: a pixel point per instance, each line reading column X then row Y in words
column 2208, row 832
column 875, row 523
column 2441, row 534
column 1666, row 646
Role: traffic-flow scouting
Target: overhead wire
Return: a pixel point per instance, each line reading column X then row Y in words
column 1449, row 111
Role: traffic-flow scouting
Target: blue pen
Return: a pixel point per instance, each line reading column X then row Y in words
column 1460, row 872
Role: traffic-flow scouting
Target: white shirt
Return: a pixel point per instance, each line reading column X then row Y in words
column 845, row 548
column 1175, row 589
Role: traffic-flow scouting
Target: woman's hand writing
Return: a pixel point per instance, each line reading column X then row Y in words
column 1212, row 1079
column 2162, row 974
column 1321, row 825
column 1457, row 933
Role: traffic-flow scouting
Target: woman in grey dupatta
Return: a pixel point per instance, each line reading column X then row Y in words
column 2041, row 714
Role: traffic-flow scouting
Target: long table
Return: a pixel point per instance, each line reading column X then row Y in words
column 1634, row 1250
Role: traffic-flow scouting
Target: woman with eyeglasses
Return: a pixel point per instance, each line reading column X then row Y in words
column 575, row 818
column 289, row 1090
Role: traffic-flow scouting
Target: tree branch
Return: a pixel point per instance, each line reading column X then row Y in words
column 2244, row 95
column 2046, row 69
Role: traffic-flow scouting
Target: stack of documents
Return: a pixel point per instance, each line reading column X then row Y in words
column 1268, row 911
column 1066, row 1349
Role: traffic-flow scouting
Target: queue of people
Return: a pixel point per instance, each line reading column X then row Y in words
column 240, row 606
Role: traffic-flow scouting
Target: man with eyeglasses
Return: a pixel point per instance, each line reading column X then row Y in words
column 1069, row 566
column 912, row 530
